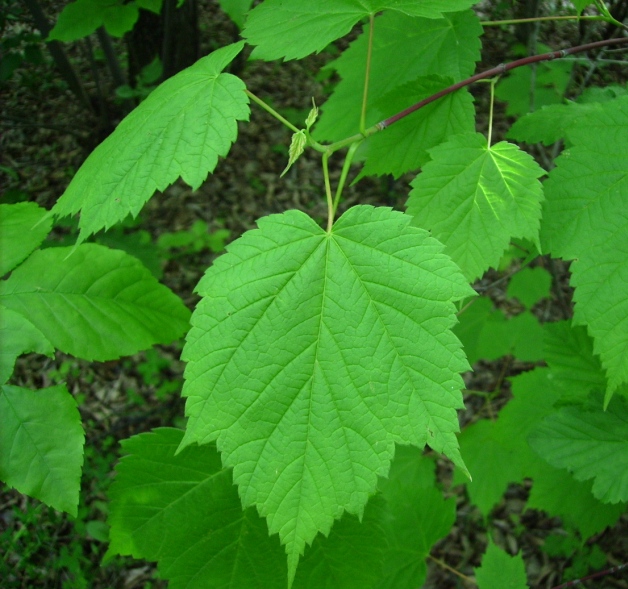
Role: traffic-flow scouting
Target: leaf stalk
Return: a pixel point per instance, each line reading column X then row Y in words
column 490, row 114
column 271, row 110
column 330, row 202
column 516, row 21
column 367, row 74
column 345, row 172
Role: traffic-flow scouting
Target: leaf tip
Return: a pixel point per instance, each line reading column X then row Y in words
column 293, row 562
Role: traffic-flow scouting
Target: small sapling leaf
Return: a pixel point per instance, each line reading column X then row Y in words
column 297, row 145
column 312, row 116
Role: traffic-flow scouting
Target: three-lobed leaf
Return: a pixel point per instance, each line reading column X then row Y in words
column 41, row 444
column 311, row 353
column 94, row 302
column 474, row 198
column 181, row 129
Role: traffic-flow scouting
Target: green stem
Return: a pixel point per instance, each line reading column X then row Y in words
column 315, row 144
column 490, row 112
column 516, row 21
column 351, row 140
column 601, row 6
column 345, row 172
column 367, row 75
column 271, row 110
column 330, row 202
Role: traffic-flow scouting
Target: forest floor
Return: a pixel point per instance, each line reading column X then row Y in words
column 45, row 136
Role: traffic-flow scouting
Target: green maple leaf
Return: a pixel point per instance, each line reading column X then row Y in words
column 404, row 49
column 569, row 353
column 581, row 4
column 41, row 445
column 556, row 492
column 548, row 124
column 530, row 285
column 498, row 453
column 181, row 129
column 293, row 29
column 591, row 443
column 311, row 353
column 403, row 146
column 417, row 517
column 475, row 198
column 93, row 302
column 81, row 18
column 236, row 9
column 212, row 542
column 22, row 229
column 189, row 495
column 499, row 570
column 486, row 334
column 584, row 219
column 525, row 91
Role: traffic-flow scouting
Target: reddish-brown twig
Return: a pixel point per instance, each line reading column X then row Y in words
column 496, row 71
column 597, row 575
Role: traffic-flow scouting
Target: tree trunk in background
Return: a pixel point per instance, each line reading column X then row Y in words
column 172, row 36
column 525, row 9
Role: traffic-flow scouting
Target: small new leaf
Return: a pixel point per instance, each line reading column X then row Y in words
column 297, row 145
column 312, row 116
